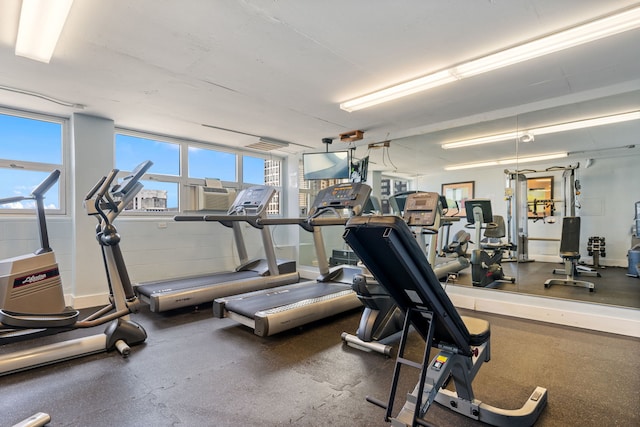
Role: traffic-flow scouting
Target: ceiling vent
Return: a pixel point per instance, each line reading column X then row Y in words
column 268, row 144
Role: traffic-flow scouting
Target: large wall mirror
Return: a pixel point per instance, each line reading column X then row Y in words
column 592, row 173
column 595, row 176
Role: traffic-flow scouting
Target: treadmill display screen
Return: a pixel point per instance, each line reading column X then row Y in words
column 342, row 196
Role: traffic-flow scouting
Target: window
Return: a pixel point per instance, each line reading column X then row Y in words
column 253, row 171
column 161, row 192
column 209, row 163
column 181, row 167
column 31, row 147
column 256, row 170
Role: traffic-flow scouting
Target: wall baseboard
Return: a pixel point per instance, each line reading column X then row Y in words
column 596, row 317
column 86, row 301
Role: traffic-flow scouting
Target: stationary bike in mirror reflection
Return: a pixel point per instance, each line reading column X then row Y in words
column 486, row 258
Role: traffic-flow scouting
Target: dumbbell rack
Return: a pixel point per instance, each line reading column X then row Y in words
column 596, row 249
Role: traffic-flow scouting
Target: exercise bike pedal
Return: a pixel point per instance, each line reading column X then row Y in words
column 36, row 320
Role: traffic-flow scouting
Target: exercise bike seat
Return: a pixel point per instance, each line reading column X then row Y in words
column 38, row 320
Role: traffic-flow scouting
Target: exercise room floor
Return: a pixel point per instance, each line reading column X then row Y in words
column 195, row 370
column 613, row 286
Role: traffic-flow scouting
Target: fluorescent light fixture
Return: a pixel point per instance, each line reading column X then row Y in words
column 587, row 123
column 591, row 31
column 481, row 140
column 562, row 127
column 508, row 161
column 41, row 23
column 398, row 91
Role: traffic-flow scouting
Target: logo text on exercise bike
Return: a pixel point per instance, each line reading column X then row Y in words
column 35, row 278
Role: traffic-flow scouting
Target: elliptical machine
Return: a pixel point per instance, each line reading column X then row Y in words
column 31, row 294
column 382, row 320
column 486, row 267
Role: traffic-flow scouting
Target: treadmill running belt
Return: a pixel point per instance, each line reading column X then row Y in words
column 249, row 306
column 171, row 285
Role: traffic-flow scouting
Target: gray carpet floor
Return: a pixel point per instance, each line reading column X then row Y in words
column 196, row 370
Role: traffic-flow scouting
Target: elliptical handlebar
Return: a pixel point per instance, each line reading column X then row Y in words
column 38, row 195
column 8, row 200
column 38, row 192
column 110, row 197
column 45, row 185
column 95, row 188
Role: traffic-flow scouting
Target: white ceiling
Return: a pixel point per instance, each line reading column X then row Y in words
column 280, row 68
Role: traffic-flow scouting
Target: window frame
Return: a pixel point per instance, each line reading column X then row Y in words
column 186, row 183
column 26, row 165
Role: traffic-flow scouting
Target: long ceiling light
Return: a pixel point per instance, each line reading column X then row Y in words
column 593, row 30
column 40, row 26
column 508, row 161
column 562, row 127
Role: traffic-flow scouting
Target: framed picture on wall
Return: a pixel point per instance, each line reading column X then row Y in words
column 456, row 193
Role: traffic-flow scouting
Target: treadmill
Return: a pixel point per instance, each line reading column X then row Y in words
column 249, row 207
column 414, row 207
column 275, row 310
column 424, row 210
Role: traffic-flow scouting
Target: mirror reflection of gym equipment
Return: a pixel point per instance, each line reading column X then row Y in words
column 521, row 207
column 486, row 258
column 524, row 206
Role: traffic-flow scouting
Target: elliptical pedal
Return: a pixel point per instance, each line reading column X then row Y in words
column 36, row 321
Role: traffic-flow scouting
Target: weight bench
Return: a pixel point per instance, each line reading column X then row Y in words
column 391, row 253
column 570, row 253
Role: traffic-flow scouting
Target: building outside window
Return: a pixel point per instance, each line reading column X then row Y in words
column 182, row 168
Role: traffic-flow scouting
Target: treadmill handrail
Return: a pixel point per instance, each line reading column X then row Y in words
column 302, row 222
column 226, row 220
column 328, row 221
column 306, row 223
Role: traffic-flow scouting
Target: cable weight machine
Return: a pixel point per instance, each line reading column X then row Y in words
column 518, row 206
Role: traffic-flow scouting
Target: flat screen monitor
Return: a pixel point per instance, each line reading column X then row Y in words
column 484, row 204
column 328, row 165
column 359, row 170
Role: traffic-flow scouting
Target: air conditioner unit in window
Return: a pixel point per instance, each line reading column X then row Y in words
column 214, row 198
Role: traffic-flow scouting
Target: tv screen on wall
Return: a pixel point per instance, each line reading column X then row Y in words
column 328, row 165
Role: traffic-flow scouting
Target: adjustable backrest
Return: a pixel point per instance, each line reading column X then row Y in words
column 497, row 232
column 570, row 240
column 388, row 248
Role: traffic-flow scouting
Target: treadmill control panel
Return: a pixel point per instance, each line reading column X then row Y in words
column 352, row 195
column 421, row 209
column 252, row 200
